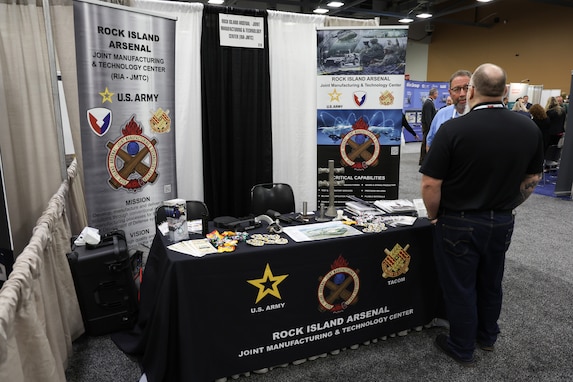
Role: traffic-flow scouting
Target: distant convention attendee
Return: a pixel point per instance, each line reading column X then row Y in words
column 539, row 116
column 519, row 107
column 526, row 102
column 480, row 167
column 428, row 113
column 505, row 101
column 449, row 101
column 458, row 89
column 556, row 116
column 562, row 103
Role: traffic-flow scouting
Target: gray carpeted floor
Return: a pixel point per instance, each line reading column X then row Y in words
column 536, row 343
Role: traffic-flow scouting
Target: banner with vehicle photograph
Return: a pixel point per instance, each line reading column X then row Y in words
column 360, row 90
column 126, row 82
column 415, row 95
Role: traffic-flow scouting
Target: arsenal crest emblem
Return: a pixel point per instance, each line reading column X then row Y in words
column 359, row 157
column 339, row 288
column 132, row 159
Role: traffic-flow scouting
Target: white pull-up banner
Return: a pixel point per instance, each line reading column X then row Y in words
column 360, row 93
column 126, row 81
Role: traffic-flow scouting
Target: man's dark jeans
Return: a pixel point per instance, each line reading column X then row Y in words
column 469, row 249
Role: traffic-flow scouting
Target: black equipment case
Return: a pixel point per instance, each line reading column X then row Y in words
column 104, row 284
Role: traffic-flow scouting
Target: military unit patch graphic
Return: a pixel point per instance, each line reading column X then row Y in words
column 359, row 98
column 160, row 121
column 396, row 262
column 99, row 119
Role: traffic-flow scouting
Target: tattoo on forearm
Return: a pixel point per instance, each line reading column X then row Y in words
column 531, row 185
column 528, row 187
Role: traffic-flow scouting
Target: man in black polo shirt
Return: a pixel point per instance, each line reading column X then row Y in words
column 481, row 166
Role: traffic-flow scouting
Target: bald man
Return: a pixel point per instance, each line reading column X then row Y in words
column 481, row 166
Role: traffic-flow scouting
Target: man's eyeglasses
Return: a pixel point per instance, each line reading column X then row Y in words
column 458, row 89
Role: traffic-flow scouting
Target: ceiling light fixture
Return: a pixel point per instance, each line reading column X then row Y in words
column 321, row 11
column 418, row 11
column 424, row 14
column 217, row 2
column 484, row 1
column 335, row 4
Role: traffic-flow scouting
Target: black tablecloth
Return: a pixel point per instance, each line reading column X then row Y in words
column 227, row 313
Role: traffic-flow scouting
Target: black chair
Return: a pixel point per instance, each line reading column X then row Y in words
column 196, row 209
column 160, row 215
column 272, row 196
column 551, row 161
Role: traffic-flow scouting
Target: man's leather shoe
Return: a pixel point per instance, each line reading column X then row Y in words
column 485, row 347
column 441, row 343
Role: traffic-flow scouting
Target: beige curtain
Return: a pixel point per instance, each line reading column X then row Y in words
column 29, row 141
column 39, row 311
column 62, row 16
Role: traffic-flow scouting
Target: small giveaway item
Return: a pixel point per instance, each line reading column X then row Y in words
column 175, row 209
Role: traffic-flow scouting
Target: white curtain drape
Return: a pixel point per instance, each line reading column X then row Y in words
column 29, row 139
column 292, row 51
column 293, row 66
column 64, row 41
column 188, row 137
column 39, row 311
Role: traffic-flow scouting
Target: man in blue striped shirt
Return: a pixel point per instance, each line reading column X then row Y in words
column 458, row 90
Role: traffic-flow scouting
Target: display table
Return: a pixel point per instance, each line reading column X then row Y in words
column 227, row 313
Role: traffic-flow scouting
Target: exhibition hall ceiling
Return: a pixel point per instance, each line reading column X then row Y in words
column 390, row 11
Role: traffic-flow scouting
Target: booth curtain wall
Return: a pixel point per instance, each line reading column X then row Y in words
column 237, row 145
column 188, row 136
column 39, row 312
column 62, row 24
column 292, row 50
column 28, row 128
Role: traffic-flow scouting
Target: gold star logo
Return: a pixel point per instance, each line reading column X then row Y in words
column 335, row 96
column 267, row 284
column 106, row 95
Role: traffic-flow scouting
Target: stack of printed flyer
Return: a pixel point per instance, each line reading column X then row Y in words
column 397, row 206
column 197, row 247
column 398, row 220
column 357, row 209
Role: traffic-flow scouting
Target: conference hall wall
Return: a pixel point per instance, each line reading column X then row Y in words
column 530, row 41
